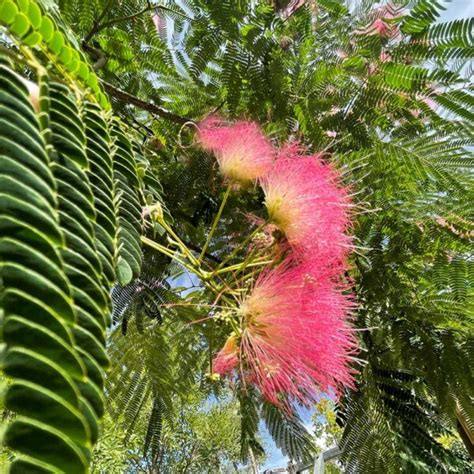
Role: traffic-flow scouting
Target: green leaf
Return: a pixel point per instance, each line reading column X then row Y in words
column 20, row 25
column 8, row 12
column 56, row 42
column 29, row 437
column 124, row 272
column 34, row 15
column 47, row 29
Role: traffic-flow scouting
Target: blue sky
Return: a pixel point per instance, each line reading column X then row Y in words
column 458, row 9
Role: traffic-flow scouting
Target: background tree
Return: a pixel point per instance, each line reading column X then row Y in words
column 201, row 436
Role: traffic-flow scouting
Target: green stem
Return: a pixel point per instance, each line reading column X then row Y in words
column 166, row 251
column 241, row 266
column 235, row 326
column 182, row 246
column 196, row 270
column 239, row 248
column 214, row 224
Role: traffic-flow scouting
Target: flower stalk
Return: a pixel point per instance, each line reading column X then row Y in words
column 215, row 223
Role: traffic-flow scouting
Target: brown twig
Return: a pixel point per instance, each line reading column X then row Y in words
column 154, row 109
column 99, row 56
column 111, row 22
column 96, row 27
column 141, row 12
column 198, row 249
column 291, row 9
column 100, row 26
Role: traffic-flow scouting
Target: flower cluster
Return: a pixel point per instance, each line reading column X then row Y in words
column 294, row 338
column 227, row 358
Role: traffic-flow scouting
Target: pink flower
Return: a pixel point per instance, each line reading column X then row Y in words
column 243, row 152
column 372, row 69
column 304, row 200
column 383, row 24
column 378, row 28
column 384, row 57
column 390, row 11
column 331, row 133
column 430, row 103
column 227, row 358
column 160, row 25
column 296, row 340
column 340, row 53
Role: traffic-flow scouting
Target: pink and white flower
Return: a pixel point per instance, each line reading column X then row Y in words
column 305, row 200
column 381, row 28
column 296, row 340
column 383, row 25
column 243, row 152
column 385, row 56
column 227, row 358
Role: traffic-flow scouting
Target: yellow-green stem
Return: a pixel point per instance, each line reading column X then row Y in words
column 239, row 248
column 182, row 246
column 166, row 251
column 214, row 223
column 242, row 266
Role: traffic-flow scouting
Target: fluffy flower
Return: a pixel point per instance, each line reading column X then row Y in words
column 227, row 358
column 379, row 28
column 160, row 25
column 304, row 200
column 243, row 153
column 390, row 11
column 430, row 103
column 383, row 25
column 340, row 53
column 295, row 339
column 384, row 57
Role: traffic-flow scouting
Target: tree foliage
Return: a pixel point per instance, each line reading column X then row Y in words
column 119, row 82
column 201, row 436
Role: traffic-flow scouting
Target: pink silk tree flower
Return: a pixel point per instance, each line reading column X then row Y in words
column 305, row 201
column 296, row 340
column 379, row 28
column 384, row 57
column 390, row 11
column 160, row 25
column 430, row 103
column 383, row 25
column 243, row 152
column 227, row 358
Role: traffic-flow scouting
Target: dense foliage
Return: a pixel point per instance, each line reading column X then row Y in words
column 383, row 90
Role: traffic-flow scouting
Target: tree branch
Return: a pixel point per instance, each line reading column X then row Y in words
column 128, row 17
column 100, row 26
column 99, row 55
column 292, row 8
column 198, row 249
column 141, row 104
column 96, row 27
column 141, row 12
